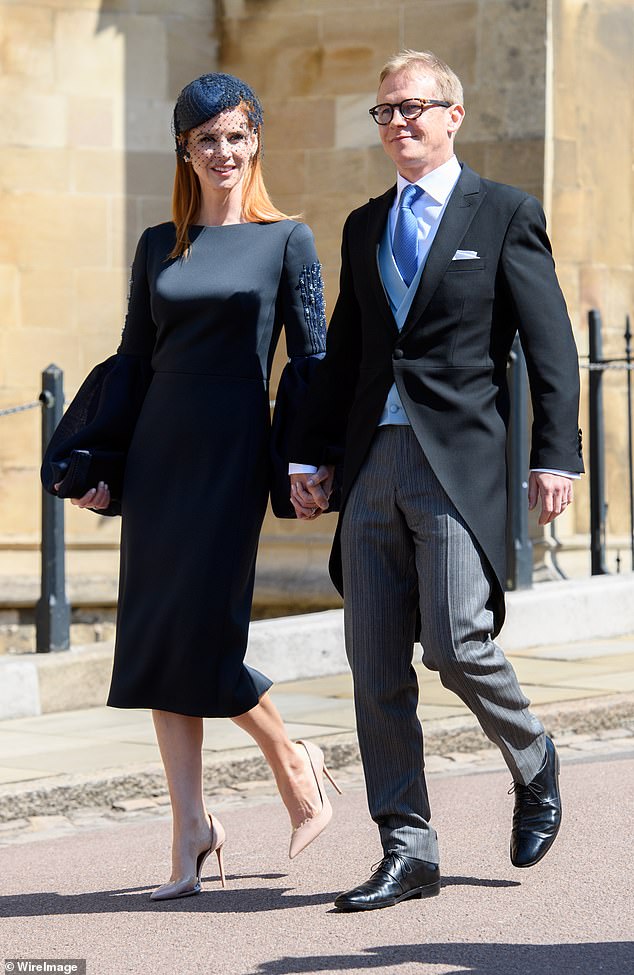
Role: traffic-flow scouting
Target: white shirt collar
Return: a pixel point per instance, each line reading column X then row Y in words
column 438, row 184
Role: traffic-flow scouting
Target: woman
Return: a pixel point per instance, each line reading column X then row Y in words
column 209, row 295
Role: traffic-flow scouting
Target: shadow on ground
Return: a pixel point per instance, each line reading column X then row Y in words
column 603, row 958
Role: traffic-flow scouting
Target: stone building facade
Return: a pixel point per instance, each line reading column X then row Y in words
column 86, row 95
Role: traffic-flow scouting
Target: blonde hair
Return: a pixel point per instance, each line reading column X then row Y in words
column 447, row 81
column 257, row 206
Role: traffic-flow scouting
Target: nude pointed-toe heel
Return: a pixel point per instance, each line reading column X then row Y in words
column 189, row 886
column 310, row 829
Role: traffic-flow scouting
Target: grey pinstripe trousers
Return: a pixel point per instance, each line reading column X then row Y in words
column 404, row 545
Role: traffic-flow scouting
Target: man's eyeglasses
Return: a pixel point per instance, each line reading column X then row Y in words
column 410, row 109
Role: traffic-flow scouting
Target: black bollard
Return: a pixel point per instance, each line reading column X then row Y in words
column 598, row 506
column 52, row 612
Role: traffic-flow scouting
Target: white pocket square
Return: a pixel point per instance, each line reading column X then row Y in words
column 466, row 256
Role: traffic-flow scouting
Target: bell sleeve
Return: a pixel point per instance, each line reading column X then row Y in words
column 304, row 317
column 91, row 441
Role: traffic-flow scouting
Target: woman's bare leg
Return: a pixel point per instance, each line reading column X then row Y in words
column 293, row 776
column 180, row 739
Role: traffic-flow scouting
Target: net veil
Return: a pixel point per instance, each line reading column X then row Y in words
column 209, row 96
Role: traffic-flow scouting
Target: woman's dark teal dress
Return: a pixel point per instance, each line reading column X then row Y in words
column 204, row 328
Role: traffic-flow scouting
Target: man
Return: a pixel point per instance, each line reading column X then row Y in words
column 437, row 275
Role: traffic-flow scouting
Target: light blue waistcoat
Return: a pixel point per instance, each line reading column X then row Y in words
column 400, row 298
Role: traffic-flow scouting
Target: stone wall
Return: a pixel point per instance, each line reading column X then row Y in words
column 592, row 192
column 87, row 91
column 86, row 163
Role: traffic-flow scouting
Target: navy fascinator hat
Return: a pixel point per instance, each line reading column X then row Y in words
column 209, row 95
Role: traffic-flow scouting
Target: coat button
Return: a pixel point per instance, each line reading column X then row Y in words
column 398, row 354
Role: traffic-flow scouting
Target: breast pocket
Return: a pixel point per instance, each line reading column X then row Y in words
column 467, row 264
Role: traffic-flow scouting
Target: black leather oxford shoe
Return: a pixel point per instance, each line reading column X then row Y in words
column 395, row 879
column 537, row 813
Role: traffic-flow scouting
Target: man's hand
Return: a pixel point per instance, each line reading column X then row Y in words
column 555, row 492
column 310, row 492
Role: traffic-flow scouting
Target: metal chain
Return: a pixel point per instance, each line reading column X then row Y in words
column 601, row 367
column 19, row 409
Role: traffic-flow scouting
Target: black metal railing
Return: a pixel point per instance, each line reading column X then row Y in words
column 597, row 366
column 53, row 611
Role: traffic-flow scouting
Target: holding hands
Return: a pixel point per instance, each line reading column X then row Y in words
column 310, row 492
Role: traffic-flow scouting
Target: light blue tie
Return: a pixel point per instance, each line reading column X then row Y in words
column 405, row 243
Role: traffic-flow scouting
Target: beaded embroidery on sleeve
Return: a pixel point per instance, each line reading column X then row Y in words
column 311, row 289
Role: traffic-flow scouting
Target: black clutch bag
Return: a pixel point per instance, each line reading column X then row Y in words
column 85, row 468
column 91, row 441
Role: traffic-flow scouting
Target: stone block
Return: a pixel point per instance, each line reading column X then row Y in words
column 32, row 119
column 568, row 276
column 146, row 55
column 187, row 9
column 85, row 528
column 292, row 204
column 519, row 162
column 90, row 57
column 260, row 39
column 354, row 49
column 32, row 169
column 333, row 8
column 9, row 296
column 133, row 805
column 353, row 126
column 43, row 229
column 91, row 121
column 473, row 154
column 26, row 40
column 336, row 170
column 569, row 215
column 47, row 298
column 101, row 297
column 565, row 167
column 19, row 692
column 20, row 499
column 485, row 118
column 21, row 432
column 191, row 49
column 381, row 171
column 40, row 823
column 611, row 291
column 147, row 125
column 98, row 171
column 449, row 31
column 95, row 347
column 79, row 683
column 285, row 171
column 149, row 173
column 124, row 230
column 30, row 350
column 155, row 209
column 104, row 6
column 311, row 121
column 327, row 214
column 512, row 50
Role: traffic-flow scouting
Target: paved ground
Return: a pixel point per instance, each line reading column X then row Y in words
column 59, row 762
column 85, row 837
column 85, row 894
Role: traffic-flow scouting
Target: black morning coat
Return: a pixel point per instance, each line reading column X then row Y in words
column 449, row 362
